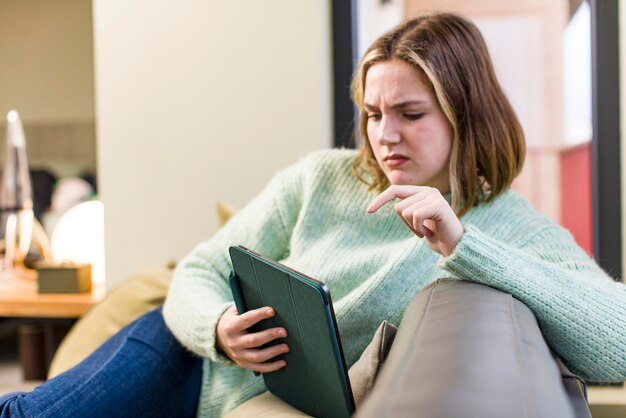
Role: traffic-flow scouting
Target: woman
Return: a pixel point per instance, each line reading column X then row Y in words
column 427, row 196
column 439, row 131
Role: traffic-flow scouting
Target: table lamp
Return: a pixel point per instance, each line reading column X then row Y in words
column 78, row 238
column 18, row 226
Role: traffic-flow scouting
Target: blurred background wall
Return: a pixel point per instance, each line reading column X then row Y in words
column 47, row 74
column 200, row 101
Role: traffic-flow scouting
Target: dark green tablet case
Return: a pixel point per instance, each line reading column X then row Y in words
column 315, row 379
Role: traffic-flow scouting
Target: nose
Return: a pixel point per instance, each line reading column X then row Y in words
column 388, row 132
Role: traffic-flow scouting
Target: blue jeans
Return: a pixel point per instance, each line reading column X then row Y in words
column 142, row 371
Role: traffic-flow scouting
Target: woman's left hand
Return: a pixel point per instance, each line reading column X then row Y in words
column 425, row 211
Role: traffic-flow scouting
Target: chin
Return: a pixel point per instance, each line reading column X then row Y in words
column 402, row 180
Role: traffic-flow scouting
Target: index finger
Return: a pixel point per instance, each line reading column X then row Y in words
column 247, row 319
column 393, row 192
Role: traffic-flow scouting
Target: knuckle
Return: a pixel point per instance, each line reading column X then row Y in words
column 266, row 337
column 268, row 367
column 250, row 341
column 228, row 342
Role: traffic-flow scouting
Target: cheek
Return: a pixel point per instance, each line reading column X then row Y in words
column 439, row 155
column 442, row 157
column 440, row 142
column 442, row 147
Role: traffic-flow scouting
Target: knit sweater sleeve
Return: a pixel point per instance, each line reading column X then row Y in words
column 581, row 311
column 199, row 292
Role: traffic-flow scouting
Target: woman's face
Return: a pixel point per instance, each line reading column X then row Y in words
column 409, row 133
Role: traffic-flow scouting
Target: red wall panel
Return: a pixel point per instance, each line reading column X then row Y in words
column 576, row 194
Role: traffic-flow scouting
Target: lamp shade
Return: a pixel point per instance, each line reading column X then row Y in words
column 78, row 237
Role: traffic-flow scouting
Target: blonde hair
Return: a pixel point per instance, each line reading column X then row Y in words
column 488, row 145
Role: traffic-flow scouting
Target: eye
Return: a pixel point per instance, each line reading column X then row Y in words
column 373, row 116
column 413, row 116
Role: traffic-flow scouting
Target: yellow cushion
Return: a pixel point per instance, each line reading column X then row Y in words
column 224, row 212
column 136, row 296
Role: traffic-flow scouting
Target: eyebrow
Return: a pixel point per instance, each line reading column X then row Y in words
column 399, row 105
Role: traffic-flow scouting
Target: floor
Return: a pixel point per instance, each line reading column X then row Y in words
column 11, row 379
column 10, row 371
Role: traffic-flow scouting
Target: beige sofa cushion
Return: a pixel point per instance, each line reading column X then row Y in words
column 265, row 405
column 364, row 372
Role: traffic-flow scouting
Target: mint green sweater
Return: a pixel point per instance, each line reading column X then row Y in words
column 312, row 217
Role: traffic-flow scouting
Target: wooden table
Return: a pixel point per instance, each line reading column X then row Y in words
column 19, row 298
column 43, row 319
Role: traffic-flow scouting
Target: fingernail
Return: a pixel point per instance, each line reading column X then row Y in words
column 270, row 312
column 282, row 333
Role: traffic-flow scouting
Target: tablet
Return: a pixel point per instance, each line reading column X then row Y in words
column 315, row 379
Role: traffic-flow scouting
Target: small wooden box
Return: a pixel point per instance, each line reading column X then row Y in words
column 64, row 278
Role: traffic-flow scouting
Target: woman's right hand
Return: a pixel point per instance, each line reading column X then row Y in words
column 241, row 346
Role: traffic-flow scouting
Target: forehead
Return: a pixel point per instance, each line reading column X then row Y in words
column 396, row 79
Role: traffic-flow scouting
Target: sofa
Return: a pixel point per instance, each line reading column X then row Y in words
column 461, row 350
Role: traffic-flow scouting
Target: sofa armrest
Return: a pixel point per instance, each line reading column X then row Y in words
column 464, row 349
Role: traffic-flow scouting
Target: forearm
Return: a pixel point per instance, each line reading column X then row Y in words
column 581, row 311
column 197, row 297
column 199, row 292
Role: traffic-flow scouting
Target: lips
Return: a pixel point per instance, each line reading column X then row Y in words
column 395, row 160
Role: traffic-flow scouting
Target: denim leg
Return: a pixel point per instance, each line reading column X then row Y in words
column 142, row 371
